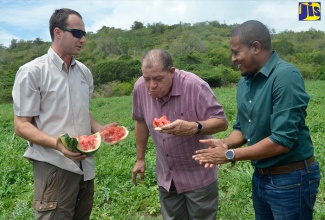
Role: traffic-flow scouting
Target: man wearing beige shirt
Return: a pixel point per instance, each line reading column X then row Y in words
column 51, row 96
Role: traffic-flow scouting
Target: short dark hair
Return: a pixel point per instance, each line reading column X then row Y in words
column 165, row 59
column 59, row 19
column 251, row 31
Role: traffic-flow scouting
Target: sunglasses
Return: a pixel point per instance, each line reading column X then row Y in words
column 75, row 32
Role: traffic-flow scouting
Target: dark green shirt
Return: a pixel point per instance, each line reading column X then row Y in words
column 273, row 104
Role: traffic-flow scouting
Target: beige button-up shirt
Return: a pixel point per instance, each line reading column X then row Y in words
column 59, row 101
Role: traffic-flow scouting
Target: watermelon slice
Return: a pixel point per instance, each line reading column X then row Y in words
column 85, row 144
column 113, row 135
column 159, row 122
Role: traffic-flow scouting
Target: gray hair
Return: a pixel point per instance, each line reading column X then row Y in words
column 156, row 56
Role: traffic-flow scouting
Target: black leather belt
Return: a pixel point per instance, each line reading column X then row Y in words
column 288, row 168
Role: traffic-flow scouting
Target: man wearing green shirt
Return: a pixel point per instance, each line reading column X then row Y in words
column 271, row 104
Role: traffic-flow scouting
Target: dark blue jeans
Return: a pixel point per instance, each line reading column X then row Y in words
column 289, row 196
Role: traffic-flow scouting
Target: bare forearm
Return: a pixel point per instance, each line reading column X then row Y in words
column 141, row 135
column 25, row 129
column 95, row 126
column 235, row 139
column 265, row 148
column 214, row 125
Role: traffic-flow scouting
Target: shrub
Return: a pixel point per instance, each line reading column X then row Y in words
column 227, row 75
column 115, row 88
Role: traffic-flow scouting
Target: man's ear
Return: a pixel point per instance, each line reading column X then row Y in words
column 256, row 46
column 172, row 71
column 57, row 32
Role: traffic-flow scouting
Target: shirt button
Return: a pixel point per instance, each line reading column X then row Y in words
column 249, row 120
column 250, row 101
column 248, row 140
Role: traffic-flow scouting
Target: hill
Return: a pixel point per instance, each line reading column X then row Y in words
column 113, row 55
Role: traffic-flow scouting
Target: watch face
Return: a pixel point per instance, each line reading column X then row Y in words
column 230, row 155
column 199, row 127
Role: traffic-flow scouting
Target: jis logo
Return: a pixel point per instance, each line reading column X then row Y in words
column 309, row 11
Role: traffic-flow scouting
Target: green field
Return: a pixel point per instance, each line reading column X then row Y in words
column 115, row 195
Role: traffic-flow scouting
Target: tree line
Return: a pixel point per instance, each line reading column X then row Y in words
column 114, row 55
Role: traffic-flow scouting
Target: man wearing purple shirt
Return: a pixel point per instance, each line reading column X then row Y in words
column 187, row 190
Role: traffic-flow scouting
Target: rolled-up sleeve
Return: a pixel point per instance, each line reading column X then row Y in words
column 289, row 108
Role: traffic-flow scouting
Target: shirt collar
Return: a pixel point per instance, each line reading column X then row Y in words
column 267, row 68
column 58, row 62
column 270, row 64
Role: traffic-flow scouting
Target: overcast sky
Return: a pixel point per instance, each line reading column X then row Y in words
column 28, row 19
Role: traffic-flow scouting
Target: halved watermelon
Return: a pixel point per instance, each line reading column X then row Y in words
column 159, row 122
column 113, row 135
column 85, row 144
column 89, row 144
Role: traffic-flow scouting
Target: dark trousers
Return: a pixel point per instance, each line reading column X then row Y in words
column 193, row 205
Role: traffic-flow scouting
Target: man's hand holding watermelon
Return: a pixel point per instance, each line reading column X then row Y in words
column 179, row 128
column 77, row 148
column 72, row 155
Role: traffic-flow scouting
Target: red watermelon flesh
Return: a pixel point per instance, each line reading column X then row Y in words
column 88, row 142
column 113, row 135
column 159, row 122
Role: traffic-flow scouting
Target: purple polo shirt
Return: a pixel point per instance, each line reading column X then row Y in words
column 191, row 99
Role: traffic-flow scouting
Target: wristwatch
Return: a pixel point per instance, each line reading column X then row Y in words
column 230, row 155
column 199, row 127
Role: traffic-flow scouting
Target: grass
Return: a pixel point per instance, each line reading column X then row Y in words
column 115, row 195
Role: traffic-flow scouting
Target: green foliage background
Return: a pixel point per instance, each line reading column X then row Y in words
column 113, row 55
column 115, row 195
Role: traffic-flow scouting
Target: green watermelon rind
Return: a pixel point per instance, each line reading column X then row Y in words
column 72, row 144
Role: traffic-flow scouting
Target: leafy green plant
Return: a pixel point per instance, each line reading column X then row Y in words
column 115, row 195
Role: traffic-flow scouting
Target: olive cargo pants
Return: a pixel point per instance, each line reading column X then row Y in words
column 60, row 194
